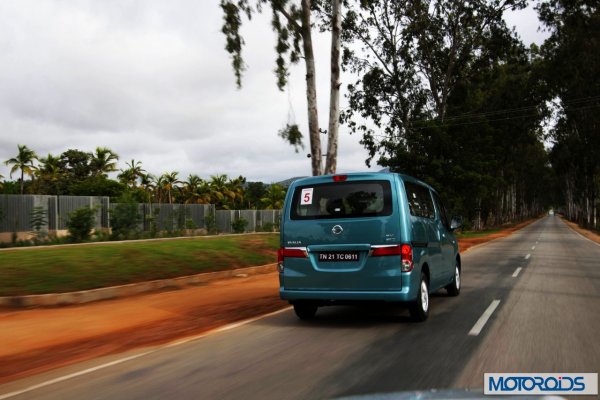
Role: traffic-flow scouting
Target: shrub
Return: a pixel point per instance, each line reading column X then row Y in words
column 239, row 225
column 210, row 222
column 38, row 221
column 266, row 227
column 80, row 224
column 124, row 220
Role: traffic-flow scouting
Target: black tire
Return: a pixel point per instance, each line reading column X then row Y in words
column 305, row 310
column 453, row 288
column 419, row 309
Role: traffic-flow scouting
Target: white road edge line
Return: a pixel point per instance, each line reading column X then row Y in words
column 73, row 375
column 122, row 360
column 516, row 273
column 224, row 328
column 476, row 330
column 527, row 256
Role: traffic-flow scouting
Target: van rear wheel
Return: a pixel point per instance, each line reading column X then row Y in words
column 453, row 288
column 305, row 310
column 419, row 309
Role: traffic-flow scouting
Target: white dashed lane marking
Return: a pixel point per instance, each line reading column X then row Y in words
column 476, row 330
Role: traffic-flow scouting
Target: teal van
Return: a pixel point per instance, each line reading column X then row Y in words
column 366, row 237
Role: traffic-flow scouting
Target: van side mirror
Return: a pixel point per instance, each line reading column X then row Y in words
column 457, row 222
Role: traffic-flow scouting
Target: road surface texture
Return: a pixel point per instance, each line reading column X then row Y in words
column 544, row 281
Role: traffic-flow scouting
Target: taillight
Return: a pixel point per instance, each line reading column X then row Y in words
column 283, row 252
column 394, row 250
column 340, row 178
column 407, row 258
column 404, row 251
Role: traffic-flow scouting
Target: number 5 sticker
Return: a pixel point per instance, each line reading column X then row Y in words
column 306, row 196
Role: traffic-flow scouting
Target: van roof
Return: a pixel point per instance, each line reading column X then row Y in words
column 359, row 175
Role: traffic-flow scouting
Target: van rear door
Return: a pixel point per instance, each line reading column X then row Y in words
column 339, row 224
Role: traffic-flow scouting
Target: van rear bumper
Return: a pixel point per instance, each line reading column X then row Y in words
column 403, row 295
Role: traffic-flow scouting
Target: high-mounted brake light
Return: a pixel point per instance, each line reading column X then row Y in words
column 340, row 178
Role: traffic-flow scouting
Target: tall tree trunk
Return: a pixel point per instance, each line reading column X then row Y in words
column 311, row 91
column 334, row 94
column 22, row 181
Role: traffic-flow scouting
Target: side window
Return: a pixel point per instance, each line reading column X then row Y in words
column 442, row 210
column 419, row 200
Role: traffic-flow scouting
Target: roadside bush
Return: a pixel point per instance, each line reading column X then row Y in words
column 210, row 222
column 38, row 221
column 124, row 219
column 266, row 227
column 80, row 224
column 239, row 225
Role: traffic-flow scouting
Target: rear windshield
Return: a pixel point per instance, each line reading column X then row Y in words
column 342, row 200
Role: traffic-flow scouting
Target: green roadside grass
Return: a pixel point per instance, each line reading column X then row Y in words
column 73, row 268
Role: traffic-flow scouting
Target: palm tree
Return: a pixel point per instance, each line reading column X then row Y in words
column 103, row 161
column 159, row 183
column 147, row 184
column 274, row 197
column 237, row 192
column 23, row 161
column 169, row 183
column 220, row 191
column 130, row 175
column 204, row 193
column 1, row 183
column 190, row 189
column 50, row 172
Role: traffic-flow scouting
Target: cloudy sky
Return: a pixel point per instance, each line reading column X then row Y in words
column 151, row 81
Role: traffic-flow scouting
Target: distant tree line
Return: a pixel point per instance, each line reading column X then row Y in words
column 447, row 92
column 571, row 71
column 80, row 173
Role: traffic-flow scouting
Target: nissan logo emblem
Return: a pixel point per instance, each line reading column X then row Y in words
column 336, row 230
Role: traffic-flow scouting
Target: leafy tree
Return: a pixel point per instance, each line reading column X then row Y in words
column 571, row 65
column 292, row 22
column 255, row 191
column 447, row 94
column 97, row 186
column 76, row 165
column 23, row 161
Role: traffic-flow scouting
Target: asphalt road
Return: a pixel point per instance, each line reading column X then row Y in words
column 547, row 320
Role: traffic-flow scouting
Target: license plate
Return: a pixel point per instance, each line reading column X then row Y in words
column 337, row 256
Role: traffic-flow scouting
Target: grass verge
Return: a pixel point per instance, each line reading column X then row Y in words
column 476, row 234
column 66, row 269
